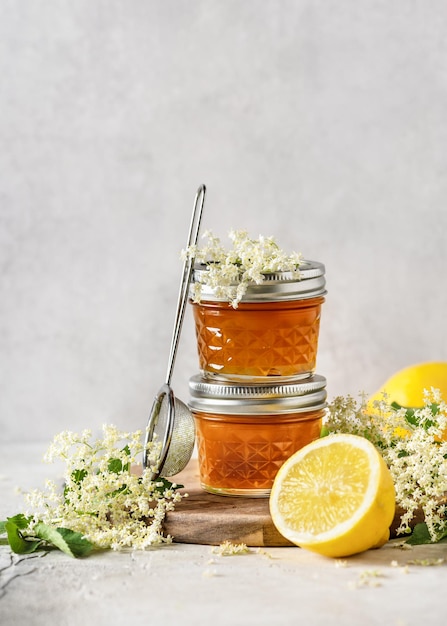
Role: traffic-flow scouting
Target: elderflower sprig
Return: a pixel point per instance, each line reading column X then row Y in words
column 230, row 272
column 104, row 503
column 412, row 442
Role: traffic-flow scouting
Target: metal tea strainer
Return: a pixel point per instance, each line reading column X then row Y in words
column 170, row 421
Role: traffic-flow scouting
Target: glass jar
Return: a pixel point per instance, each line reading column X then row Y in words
column 246, row 432
column 273, row 333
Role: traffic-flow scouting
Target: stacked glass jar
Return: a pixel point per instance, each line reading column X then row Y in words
column 257, row 398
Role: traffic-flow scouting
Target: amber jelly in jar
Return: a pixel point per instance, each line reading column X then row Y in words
column 273, row 332
column 245, row 432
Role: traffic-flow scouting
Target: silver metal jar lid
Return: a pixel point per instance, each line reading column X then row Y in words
column 276, row 286
column 217, row 396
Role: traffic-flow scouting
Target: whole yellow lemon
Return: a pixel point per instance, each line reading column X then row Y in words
column 406, row 387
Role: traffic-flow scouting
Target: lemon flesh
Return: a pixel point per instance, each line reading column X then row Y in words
column 335, row 496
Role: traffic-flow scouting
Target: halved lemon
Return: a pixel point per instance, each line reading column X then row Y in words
column 335, row 496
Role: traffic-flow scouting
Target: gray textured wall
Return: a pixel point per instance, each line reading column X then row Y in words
column 321, row 123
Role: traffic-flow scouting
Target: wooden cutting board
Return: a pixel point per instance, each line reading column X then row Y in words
column 205, row 518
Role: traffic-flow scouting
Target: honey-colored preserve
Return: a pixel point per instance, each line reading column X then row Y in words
column 241, row 454
column 258, row 339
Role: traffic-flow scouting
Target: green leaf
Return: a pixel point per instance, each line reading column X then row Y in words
column 115, row 466
column 20, row 520
column 409, row 413
column 324, row 431
column 78, row 475
column 435, row 409
column 44, row 536
column 78, row 544
column 68, row 541
column 122, row 490
column 162, row 484
column 403, row 453
column 411, row 416
column 17, row 541
column 420, row 535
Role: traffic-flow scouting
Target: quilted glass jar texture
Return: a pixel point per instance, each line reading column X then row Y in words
column 272, row 332
column 246, row 431
column 257, row 340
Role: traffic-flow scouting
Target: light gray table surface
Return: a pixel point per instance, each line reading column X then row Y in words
column 189, row 584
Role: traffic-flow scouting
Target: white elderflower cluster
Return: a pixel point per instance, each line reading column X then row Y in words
column 227, row 548
column 103, row 498
column 229, row 272
column 412, row 442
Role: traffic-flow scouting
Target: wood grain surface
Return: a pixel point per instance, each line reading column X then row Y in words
column 205, row 518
